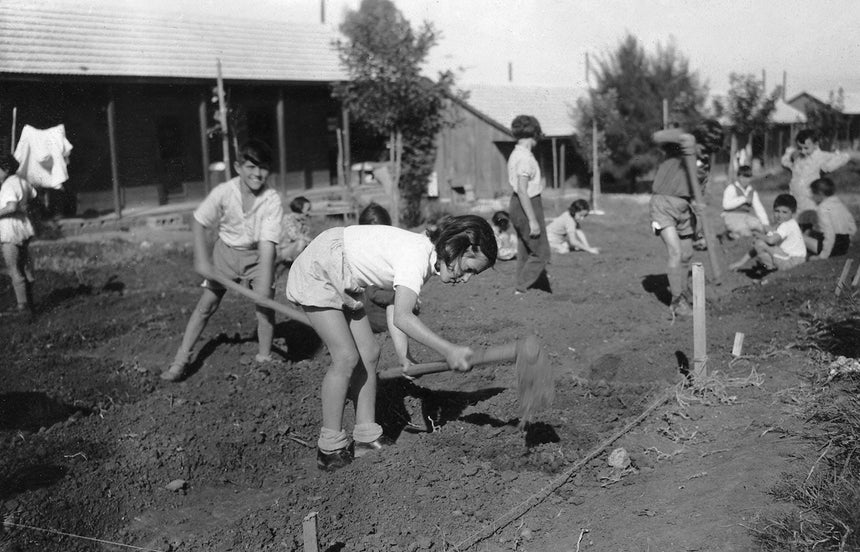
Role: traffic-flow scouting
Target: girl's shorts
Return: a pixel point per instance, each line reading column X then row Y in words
column 321, row 277
column 235, row 264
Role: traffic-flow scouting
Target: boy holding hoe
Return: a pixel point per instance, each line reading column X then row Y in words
column 247, row 214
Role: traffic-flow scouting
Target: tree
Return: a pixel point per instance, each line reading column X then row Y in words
column 747, row 108
column 387, row 93
column 828, row 120
column 639, row 82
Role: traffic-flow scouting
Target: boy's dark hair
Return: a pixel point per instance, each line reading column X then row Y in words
column 785, row 200
column 578, row 206
column 374, row 214
column 526, row 126
column 257, row 152
column 823, row 186
column 453, row 236
column 501, row 219
column 744, row 170
column 297, row 205
column 9, row 164
column 806, row 134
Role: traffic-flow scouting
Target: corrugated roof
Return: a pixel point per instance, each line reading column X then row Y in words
column 551, row 105
column 53, row 38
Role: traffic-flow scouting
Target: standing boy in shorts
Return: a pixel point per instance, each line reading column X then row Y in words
column 247, row 214
column 671, row 206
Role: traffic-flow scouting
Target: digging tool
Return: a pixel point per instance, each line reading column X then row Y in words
column 535, row 384
column 290, row 312
column 710, row 237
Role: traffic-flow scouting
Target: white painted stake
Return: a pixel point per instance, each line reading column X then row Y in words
column 739, row 344
column 309, row 531
column 843, row 277
column 700, row 339
column 856, row 279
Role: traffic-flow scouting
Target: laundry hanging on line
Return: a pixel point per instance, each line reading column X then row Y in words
column 44, row 156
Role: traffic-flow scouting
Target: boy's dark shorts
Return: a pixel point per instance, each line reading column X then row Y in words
column 235, row 264
column 674, row 211
column 840, row 244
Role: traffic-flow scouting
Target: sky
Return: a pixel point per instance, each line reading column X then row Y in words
column 815, row 43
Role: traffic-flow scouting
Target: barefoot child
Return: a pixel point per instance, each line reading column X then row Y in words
column 247, row 214
column 16, row 230
column 565, row 231
column 782, row 248
column 328, row 280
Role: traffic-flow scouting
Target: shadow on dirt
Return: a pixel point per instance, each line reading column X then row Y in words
column 302, row 342
column 29, row 411
column 403, row 405
column 31, row 477
column 62, row 295
column 658, row 285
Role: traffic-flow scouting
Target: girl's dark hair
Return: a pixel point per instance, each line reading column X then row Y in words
column 526, row 126
column 9, row 164
column 375, row 214
column 297, row 205
column 454, row 236
column 806, row 134
column 744, row 170
column 501, row 219
column 577, row 206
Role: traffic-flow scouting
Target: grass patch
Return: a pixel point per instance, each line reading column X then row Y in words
column 826, row 497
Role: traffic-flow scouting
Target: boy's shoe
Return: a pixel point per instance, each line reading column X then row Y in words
column 680, row 307
column 176, row 370
column 264, row 359
column 362, row 449
column 336, row 459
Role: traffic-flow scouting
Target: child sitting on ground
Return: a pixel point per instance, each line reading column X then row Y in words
column 835, row 223
column 247, row 214
column 565, row 232
column 782, row 248
column 743, row 212
column 505, row 239
column 295, row 230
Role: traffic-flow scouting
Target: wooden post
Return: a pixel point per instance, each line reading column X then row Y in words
column 665, row 113
column 700, row 339
column 340, row 174
column 843, row 277
column 856, row 279
column 14, row 126
column 347, row 159
column 309, row 533
column 561, row 166
column 733, row 152
column 595, row 176
column 225, row 129
column 282, row 142
column 204, row 145
column 738, row 345
column 114, row 166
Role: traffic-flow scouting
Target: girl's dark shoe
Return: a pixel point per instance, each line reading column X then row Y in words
column 334, row 460
column 362, row 449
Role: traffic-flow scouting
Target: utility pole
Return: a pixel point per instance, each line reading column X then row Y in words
column 595, row 170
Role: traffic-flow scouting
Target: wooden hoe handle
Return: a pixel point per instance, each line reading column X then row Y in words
column 710, row 237
column 496, row 353
column 290, row 312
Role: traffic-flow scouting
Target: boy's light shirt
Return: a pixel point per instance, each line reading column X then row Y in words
column 222, row 208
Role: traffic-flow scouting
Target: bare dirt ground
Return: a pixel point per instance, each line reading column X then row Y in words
column 90, row 437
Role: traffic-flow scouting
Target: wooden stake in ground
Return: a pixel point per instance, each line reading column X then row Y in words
column 739, row 344
column 309, row 532
column 843, row 278
column 700, row 340
column 856, row 279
